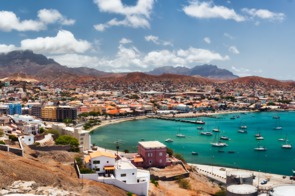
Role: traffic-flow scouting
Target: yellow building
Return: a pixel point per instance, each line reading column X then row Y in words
column 48, row 113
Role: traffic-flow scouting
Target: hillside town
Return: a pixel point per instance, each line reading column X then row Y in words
column 46, row 116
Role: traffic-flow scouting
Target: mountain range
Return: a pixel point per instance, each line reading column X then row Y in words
column 40, row 67
column 208, row 71
column 26, row 65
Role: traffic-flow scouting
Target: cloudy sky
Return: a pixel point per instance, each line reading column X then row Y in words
column 246, row 37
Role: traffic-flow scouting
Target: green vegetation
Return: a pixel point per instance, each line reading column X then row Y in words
column 169, row 152
column 184, row 183
column 82, row 168
column 220, row 193
column 68, row 140
column 13, row 138
column 156, row 183
column 2, row 142
column 91, row 123
column 1, row 132
column 129, row 194
column 41, row 130
column 67, row 121
column 180, row 157
column 55, row 133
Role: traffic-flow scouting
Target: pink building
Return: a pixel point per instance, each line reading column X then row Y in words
column 153, row 154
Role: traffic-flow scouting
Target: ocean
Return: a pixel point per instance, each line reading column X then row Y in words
column 273, row 160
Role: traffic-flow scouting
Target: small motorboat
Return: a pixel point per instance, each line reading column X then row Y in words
column 231, row 151
column 200, row 122
column 180, row 135
column 259, row 138
column 216, row 130
column 242, row 131
column 168, row 140
column 200, row 128
column 194, row 153
column 207, row 133
column 224, row 138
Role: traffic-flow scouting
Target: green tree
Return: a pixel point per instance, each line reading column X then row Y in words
column 68, row 140
column 13, row 138
column 55, row 133
column 67, row 121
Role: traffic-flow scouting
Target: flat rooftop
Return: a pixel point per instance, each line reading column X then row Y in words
column 152, row 144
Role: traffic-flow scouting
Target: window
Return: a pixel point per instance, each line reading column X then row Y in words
column 132, row 173
column 150, row 162
column 97, row 169
column 123, row 175
column 96, row 162
column 160, row 160
column 160, row 154
column 151, row 154
column 107, row 161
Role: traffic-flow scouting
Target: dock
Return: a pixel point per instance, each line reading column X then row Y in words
column 178, row 120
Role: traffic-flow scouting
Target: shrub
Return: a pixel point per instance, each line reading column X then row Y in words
column 55, row 133
column 2, row 142
column 13, row 138
column 68, row 140
column 1, row 132
column 79, row 161
column 180, row 157
column 170, row 152
column 184, row 183
column 156, row 183
column 220, row 193
column 86, row 171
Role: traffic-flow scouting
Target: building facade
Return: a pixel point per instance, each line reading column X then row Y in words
column 66, row 112
column 48, row 113
column 153, row 153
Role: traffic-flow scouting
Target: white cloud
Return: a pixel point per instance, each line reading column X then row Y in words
column 76, row 60
column 134, row 16
column 234, row 50
column 49, row 16
column 9, row 21
column 207, row 40
column 198, row 9
column 131, row 59
column 157, row 41
column 125, row 41
column 264, row 14
column 7, row 48
column 63, row 42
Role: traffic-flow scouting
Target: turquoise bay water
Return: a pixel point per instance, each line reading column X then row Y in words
column 274, row 160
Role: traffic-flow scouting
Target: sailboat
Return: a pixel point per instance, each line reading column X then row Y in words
column 180, row 134
column 218, row 143
column 260, row 148
column 286, row 145
column 278, row 127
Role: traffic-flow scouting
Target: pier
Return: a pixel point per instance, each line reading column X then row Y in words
column 179, row 120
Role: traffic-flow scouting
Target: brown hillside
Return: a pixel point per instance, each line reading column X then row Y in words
column 50, row 169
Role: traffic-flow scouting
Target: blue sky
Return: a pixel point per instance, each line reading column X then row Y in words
column 246, row 37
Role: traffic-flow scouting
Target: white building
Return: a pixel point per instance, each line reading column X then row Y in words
column 100, row 161
column 121, row 173
column 28, row 139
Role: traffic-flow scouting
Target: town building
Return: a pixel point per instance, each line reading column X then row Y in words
column 153, row 154
column 48, row 113
column 36, row 110
column 121, row 173
column 66, row 112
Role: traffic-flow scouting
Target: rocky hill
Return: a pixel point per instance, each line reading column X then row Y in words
column 49, row 169
column 209, row 71
column 39, row 67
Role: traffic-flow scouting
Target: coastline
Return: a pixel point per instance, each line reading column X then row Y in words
column 114, row 121
column 180, row 115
